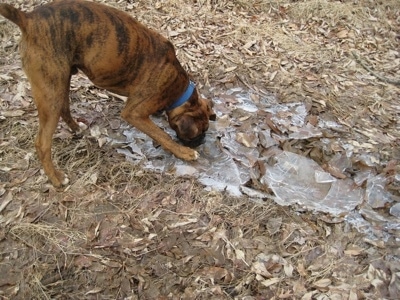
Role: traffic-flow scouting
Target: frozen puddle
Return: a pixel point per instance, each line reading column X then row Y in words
column 244, row 148
column 298, row 180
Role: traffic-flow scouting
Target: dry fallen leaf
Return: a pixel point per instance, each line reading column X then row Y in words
column 247, row 139
column 322, row 284
column 269, row 282
column 216, row 274
column 354, row 250
column 284, row 54
column 342, row 34
column 13, row 113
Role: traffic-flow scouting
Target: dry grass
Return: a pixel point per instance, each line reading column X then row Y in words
column 120, row 232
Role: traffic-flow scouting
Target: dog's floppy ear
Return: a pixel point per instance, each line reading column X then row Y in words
column 211, row 114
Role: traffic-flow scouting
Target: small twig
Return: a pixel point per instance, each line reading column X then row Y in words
column 6, row 201
column 380, row 77
column 244, row 82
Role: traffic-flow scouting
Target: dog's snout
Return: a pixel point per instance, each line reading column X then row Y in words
column 195, row 142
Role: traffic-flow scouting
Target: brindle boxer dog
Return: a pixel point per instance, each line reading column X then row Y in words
column 117, row 53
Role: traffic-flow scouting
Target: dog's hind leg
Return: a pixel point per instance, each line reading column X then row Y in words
column 50, row 97
column 66, row 113
column 66, row 116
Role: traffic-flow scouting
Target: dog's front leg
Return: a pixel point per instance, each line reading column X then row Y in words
column 146, row 125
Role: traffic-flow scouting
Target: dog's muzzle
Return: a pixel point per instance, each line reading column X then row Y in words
column 195, row 142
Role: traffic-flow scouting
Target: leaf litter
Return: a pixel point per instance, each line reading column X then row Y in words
column 296, row 193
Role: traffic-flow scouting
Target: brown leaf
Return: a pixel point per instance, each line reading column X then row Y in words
column 322, row 284
column 13, row 113
column 334, row 171
column 342, row 34
column 83, row 261
column 354, row 250
column 269, row 282
column 216, row 274
column 249, row 140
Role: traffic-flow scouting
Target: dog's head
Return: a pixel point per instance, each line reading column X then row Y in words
column 190, row 120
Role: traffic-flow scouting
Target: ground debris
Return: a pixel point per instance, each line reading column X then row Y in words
column 120, row 231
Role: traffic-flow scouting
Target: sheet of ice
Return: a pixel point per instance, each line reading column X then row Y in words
column 241, row 146
column 376, row 195
column 296, row 179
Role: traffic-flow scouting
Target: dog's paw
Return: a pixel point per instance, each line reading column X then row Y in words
column 82, row 127
column 78, row 133
column 65, row 181
column 59, row 180
column 188, row 154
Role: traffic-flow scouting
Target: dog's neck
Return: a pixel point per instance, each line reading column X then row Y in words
column 187, row 106
column 187, row 94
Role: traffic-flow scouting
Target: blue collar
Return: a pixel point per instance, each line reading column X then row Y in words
column 185, row 96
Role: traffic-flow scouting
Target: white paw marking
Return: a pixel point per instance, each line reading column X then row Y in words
column 82, row 127
column 65, row 181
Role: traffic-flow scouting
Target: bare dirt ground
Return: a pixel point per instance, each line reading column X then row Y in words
column 119, row 232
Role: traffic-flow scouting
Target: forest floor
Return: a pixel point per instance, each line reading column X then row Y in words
column 120, row 231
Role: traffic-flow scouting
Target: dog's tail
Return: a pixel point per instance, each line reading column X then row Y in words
column 13, row 14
